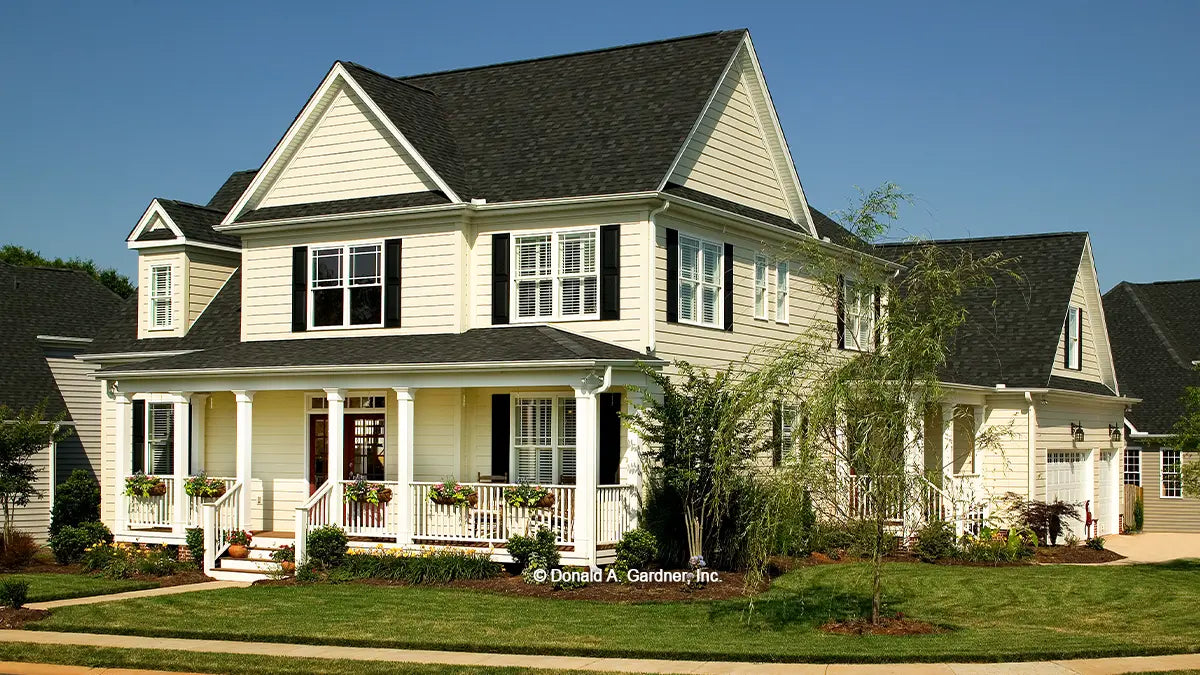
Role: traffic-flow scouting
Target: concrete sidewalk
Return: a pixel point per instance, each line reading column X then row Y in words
column 1113, row 666
column 147, row 593
column 1154, row 547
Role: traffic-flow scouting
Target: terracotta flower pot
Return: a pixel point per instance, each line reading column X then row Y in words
column 238, row 551
column 288, row 567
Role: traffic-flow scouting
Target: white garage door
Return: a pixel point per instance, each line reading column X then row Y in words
column 1066, row 481
column 1106, row 494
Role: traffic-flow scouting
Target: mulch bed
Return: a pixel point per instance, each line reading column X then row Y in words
column 1075, row 554
column 893, row 625
column 17, row 618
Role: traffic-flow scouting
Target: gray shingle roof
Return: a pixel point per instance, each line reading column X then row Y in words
column 44, row 301
column 196, row 222
column 229, row 192
column 481, row 345
column 356, row 205
column 1155, row 334
column 1013, row 326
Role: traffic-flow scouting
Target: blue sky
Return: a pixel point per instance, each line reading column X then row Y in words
column 999, row 117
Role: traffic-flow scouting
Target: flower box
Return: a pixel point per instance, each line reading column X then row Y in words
column 363, row 492
column 529, row 496
column 450, row 493
column 141, row 485
column 204, row 487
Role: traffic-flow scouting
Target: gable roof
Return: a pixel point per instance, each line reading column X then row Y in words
column 1155, row 334
column 194, row 222
column 49, row 302
column 1011, row 335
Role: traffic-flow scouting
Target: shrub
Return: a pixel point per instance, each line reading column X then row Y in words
column 808, row 525
column 76, row 501
column 326, row 546
column 195, row 544
column 1072, row 541
column 537, row 569
column 861, row 540
column 637, row 548
column 573, row 578
column 1095, row 543
column 14, row 593
column 432, row 566
column 18, row 552
column 121, row 561
column 522, row 548
column 1044, row 519
column 285, row 553
column 935, row 541
column 306, row 574
column 71, row 542
column 1139, row 514
column 989, row 547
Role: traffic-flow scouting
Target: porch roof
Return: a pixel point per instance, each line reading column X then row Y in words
column 531, row 344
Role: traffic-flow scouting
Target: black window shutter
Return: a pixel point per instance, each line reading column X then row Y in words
column 878, row 315
column 1067, row 340
column 499, row 278
column 672, row 275
column 777, row 434
column 1079, row 337
column 841, row 312
column 299, row 288
column 500, row 434
column 139, row 437
column 728, row 301
column 610, row 439
column 392, row 250
column 610, row 272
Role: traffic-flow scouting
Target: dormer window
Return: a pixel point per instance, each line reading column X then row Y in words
column 161, row 311
column 346, row 286
column 1074, row 338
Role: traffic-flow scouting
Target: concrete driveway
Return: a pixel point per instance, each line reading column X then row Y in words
column 1155, row 547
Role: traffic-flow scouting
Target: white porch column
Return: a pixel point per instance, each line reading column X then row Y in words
column 947, row 443
column 245, row 435
column 587, row 472
column 181, row 418
column 199, row 407
column 123, row 439
column 336, row 405
column 405, row 417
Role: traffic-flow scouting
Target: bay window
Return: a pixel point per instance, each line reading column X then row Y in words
column 544, row 439
column 700, row 281
column 346, row 285
column 557, row 275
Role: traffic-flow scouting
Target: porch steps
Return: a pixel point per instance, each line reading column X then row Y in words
column 254, row 567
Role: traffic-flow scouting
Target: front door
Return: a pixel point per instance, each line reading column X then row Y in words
column 364, row 446
column 318, row 451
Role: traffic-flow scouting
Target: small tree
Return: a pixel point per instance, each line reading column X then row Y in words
column 23, row 434
column 1186, row 438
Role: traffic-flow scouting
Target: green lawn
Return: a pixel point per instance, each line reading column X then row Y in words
column 1006, row 613
column 239, row 664
column 60, row 586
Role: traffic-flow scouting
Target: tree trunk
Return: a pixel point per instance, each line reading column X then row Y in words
column 694, row 529
column 877, row 570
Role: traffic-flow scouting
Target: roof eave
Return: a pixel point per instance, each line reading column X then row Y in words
column 378, row 368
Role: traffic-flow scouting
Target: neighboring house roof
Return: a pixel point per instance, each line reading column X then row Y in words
column 50, row 302
column 828, row 228
column 1155, row 334
column 1011, row 335
column 531, row 344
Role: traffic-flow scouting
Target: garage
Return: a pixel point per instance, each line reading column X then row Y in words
column 1107, row 509
column 1067, row 480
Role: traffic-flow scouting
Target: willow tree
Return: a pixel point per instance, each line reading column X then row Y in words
column 865, row 395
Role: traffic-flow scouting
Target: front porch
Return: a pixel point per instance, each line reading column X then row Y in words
column 272, row 450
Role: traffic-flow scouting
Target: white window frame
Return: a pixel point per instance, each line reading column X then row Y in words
column 699, row 285
column 1162, row 473
column 760, row 286
column 159, row 296
column 1125, row 472
column 852, row 324
column 783, row 296
column 344, row 282
column 557, row 446
column 1074, row 330
column 555, row 276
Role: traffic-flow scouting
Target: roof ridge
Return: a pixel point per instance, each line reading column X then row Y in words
column 390, row 77
column 998, row 237
column 563, row 338
column 1162, row 283
column 1154, row 326
column 571, row 54
column 191, row 204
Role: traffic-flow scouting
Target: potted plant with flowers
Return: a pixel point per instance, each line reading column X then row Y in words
column 204, row 487
column 286, row 557
column 529, row 496
column 239, row 543
column 366, row 492
column 141, row 485
column 451, row 493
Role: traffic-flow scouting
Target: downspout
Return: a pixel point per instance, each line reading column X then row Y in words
column 652, row 278
column 1031, row 439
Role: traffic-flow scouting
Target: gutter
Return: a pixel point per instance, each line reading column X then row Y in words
column 63, row 340
column 131, row 356
column 379, row 368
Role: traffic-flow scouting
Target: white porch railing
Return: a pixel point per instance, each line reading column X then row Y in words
column 957, row 501
column 491, row 520
column 220, row 518
column 363, row 519
column 616, row 512
column 151, row 512
column 314, row 513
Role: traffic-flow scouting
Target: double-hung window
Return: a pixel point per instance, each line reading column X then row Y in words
column 700, row 281
column 760, row 286
column 1074, row 338
column 1171, row 462
column 1133, row 466
column 161, row 313
column 557, row 275
column 782, row 297
column 859, row 316
column 160, row 438
column 346, row 285
column 544, row 439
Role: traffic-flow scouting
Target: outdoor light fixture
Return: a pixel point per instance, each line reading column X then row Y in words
column 1114, row 433
column 1077, row 432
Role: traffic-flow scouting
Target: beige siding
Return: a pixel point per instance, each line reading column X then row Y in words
column 1005, row 464
column 82, row 395
column 714, row 347
column 1095, row 356
column 1054, row 430
column 630, row 330
column 728, row 156
column 207, row 273
column 347, row 154
column 34, row 518
column 220, row 434
column 1163, row 514
column 429, row 291
column 435, row 434
column 179, row 304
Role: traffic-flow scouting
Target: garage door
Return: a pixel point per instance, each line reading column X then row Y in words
column 1106, row 502
column 1066, row 481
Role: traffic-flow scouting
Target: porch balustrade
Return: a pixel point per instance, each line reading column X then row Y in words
column 158, row 512
column 220, row 518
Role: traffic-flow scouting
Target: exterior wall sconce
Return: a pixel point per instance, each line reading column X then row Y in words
column 1077, row 432
column 1114, row 433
